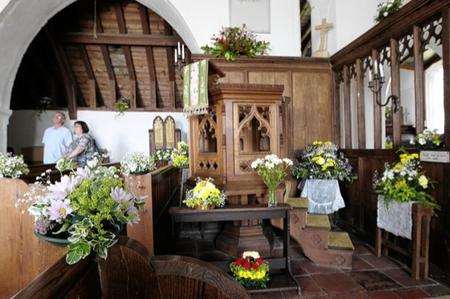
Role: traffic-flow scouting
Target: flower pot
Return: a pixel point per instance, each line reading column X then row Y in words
column 207, row 208
column 61, row 242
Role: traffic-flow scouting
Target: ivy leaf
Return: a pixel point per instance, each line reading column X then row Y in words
column 77, row 252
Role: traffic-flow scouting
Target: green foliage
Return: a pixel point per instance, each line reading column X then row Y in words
column 387, row 9
column 122, row 106
column 233, row 42
column 180, row 155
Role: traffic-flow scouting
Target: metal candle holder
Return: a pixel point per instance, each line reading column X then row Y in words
column 376, row 81
column 180, row 58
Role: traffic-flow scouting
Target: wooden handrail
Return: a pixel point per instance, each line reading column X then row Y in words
column 394, row 26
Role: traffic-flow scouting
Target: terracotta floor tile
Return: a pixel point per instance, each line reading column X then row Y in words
column 379, row 263
column 334, row 283
column 267, row 295
column 405, row 279
column 361, row 249
column 383, row 295
column 436, row 290
column 351, row 295
column 309, row 287
column 312, row 268
column 373, row 280
column 412, row 293
column 297, row 267
column 359, row 264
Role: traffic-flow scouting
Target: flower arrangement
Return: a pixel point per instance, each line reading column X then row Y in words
column 136, row 163
column 273, row 171
column 404, row 181
column 12, row 166
column 122, row 106
column 427, row 138
column 320, row 160
column 388, row 8
column 180, row 155
column 88, row 207
column 251, row 270
column 162, row 155
column 233, row 42
column 204, row 195
column 65, row 164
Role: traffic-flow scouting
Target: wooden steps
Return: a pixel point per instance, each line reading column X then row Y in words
column 313, row 233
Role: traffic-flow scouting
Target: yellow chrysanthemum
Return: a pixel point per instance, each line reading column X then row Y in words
column 423, row 181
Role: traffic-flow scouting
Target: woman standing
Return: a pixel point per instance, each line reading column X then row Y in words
column 83, row 148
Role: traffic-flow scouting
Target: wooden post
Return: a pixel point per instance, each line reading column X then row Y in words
column 416, row 238
column 446, row 66
column 360, row 104
column 376, row 111
column 347, row 109
column 395, row 91
column 419, row 80
column 336, row 110
column 378, row 242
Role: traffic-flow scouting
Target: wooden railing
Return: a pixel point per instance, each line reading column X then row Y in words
column 407, row 31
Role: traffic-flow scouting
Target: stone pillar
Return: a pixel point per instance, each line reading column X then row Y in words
column 4, row 120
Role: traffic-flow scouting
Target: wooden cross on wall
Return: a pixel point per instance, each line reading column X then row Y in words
column 324, row 28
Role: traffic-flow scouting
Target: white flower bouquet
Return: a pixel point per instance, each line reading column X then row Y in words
column 272, row 171
column 12, row 166
column 136, row 163
column 387, row 8
column 427, row 139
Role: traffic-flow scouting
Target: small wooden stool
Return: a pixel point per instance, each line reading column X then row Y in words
column 421, row 217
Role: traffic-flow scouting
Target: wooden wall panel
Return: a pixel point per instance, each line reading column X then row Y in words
column 234, row 77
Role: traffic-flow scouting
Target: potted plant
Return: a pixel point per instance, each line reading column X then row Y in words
column 233, row 42
column 321, row 167
column 428, row 139
column 401, row 185
column 272, row 171
column 136, row 163
column 12, row 167
column 251, row 270
column 204, row 196
column 85, row 210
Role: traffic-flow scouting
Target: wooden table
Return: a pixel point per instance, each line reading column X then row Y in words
column 242, row 213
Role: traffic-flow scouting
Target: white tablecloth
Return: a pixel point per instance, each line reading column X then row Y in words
column 395, row 218
column 324, row 196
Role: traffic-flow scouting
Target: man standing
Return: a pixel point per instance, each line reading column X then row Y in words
column 56, row 139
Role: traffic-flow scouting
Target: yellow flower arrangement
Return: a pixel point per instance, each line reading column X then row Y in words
column 204, row 195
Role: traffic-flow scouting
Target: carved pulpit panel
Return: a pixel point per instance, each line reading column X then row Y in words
column 164, row 134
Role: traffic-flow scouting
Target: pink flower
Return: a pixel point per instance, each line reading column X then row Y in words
column 59, row 209
column 120, row 195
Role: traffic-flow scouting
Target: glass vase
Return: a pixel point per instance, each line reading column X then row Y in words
column 272, row 198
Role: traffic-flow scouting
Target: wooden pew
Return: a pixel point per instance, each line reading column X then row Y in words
column 129, row 272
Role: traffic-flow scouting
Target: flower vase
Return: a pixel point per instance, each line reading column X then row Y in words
column 272, row 202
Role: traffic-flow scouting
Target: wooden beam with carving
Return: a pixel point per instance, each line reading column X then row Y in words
column 395, row 91
column 347, row 109
column 419, row 80
column 130, row 39
column 70, row 84
column 91, row 76
column 128, row 57
column 171, row 68
column 143, row 14
column 360, row 88
column 376, row 110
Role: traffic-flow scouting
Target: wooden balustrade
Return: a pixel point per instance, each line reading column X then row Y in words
column 403, row 35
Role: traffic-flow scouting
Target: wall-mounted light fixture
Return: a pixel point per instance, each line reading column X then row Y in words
column 376, row 81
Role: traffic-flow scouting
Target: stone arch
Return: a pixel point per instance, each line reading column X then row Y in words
column 21, row 21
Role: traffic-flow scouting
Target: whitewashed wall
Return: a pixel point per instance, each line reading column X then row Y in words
column 119, row 135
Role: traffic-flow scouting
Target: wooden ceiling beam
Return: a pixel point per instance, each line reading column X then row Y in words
column 128, row 56
column 70, row 84
column 170, row 67
column 130, row 39
column 108, row 65
column 91, row 76
column 143, row 14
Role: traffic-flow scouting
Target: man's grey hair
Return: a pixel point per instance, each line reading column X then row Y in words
column 63, row 115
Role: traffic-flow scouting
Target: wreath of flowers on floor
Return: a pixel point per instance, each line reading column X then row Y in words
column 321, row 160
column 251, row 271
column 404, row 181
